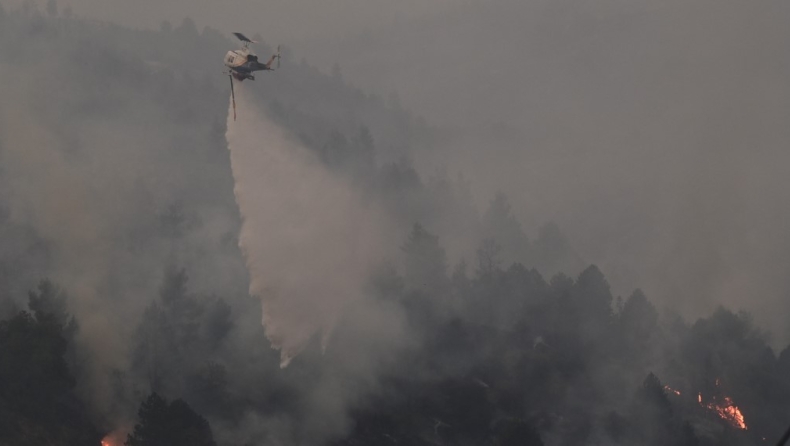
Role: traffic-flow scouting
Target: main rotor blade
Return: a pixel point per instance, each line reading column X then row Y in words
column 243, row 38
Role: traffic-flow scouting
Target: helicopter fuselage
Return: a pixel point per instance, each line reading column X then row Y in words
column 243, row 63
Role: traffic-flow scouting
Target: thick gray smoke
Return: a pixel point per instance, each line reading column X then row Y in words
column 46, row 190
column 651, row 132
column 306, row 235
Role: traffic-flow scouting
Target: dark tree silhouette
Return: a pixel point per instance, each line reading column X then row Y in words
column 172, row 424
column 425, row 264
column 503, row 227
column 514, row 432
column 37, row 403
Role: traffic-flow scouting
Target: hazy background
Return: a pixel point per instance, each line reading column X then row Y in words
column 653, row 133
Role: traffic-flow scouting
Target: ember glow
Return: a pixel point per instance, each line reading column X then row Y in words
column 726, row 410
column 671, row 390
column 113, row 439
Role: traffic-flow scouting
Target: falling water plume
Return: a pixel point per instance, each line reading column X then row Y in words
column 306, row 237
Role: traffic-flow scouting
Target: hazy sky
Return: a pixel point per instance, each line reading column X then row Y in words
column 654, row 133
column 276, row 19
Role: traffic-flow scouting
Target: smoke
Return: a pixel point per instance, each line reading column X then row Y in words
column 307, row 237
column 90, row 193
column 46, row 191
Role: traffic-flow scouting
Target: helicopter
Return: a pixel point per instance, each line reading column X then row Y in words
column 242, row 63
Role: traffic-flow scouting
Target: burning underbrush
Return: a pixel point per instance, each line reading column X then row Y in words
column 724, row 407
column 115, row 438
column 721, row 405
column 672, row 391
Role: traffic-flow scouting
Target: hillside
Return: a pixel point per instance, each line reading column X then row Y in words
column 125, row 312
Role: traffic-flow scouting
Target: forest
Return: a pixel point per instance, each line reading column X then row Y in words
column 125, row 315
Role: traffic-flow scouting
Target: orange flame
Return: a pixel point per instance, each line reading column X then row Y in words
column 113, row 439
column 670, row 389
column 726, row 410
